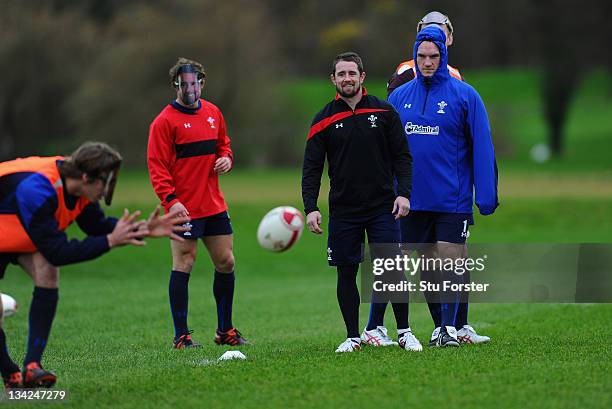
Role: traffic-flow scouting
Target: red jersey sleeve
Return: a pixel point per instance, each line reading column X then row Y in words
column 223, row 141
column 161, row 156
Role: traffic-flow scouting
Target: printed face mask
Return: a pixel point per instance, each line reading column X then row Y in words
column 189, row 84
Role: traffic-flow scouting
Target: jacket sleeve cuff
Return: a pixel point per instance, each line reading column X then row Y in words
column 487, row 210
column 105, row 241
column 310, row 210
column 404, row 193
column 168, row 205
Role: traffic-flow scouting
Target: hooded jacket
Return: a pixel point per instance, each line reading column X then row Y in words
column 446, row 125
column 406, row 71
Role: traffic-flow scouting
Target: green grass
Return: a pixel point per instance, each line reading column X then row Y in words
column 111, row 338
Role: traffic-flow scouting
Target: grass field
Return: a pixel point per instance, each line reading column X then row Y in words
column 111, row 340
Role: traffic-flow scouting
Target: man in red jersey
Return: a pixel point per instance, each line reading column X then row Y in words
column 188, row 149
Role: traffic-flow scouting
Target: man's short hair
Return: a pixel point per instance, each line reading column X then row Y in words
column 349, row 56
column 185, row 65
column 95, row 159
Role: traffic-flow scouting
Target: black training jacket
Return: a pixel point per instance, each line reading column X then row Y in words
column 366, row 150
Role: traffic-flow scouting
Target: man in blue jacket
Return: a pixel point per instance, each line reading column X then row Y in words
column 446, row 125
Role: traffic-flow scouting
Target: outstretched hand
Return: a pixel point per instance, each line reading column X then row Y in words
column 127, row 230
column 167, row 225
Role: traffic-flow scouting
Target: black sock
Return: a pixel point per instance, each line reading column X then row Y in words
column 377, row 315
column 7, row 366
column 223, row 289
column 400, row 310
column 462, row 313
column 462, row 310
column 435, row 310
column 348, row 298
column 42, row 312
column 448, row 313
column 450, row 304
column 433, row 297
column 400, row 306
column 178, row 291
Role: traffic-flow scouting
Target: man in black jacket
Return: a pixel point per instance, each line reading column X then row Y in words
column 365, row 146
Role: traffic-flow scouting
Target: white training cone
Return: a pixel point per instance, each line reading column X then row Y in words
column 232, row 355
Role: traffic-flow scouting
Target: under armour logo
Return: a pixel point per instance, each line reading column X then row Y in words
column 407, row 106
column 187, row 125
column 340, row 125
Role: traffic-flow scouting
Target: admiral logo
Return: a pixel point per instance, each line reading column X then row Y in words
column 411, row 128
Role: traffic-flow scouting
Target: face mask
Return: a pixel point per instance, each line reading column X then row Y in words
column 109, row 186
column 189, row 82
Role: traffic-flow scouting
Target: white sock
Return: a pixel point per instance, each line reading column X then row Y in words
column 402, row 331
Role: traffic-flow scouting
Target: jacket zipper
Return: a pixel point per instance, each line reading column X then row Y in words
column 425, row 103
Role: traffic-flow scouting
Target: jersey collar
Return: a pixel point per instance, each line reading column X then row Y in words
column 185, row 110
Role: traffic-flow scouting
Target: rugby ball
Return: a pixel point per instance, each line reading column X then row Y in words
column 9, row 305
column 280, row 228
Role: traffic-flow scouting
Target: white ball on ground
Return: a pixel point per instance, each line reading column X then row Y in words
column 9, row 305
column 540, row 153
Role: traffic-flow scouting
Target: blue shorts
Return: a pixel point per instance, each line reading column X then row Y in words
column 431, row 227
column 215, row 225
column 346, row 237
column 5, row 260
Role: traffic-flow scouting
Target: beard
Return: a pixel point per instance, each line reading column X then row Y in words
column 351, row 94
column 191, row 97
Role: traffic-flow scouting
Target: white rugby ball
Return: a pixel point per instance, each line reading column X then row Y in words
column 280, row 228
column 9, row 305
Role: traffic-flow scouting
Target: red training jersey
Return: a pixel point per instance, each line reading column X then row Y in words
column 183, row 147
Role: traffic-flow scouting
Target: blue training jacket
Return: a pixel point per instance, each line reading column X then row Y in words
column 446, row 125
